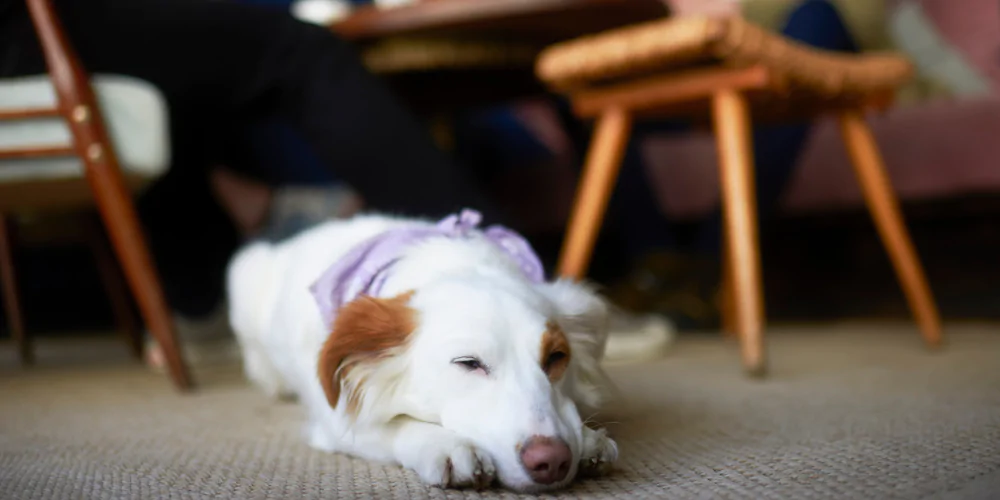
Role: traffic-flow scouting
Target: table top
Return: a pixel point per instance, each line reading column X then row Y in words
column 543, row 21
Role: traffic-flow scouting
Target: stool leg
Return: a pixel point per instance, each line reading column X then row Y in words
column 11, row 298
column 727, row 307
column 731, row 116
column 599, row 175
column 870, row 170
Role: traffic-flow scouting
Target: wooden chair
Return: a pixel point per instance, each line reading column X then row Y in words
column 727, row 68
column 50, row 176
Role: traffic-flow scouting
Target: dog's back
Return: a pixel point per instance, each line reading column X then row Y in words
column 252, row 285
column 269, row 303
column 260, row 271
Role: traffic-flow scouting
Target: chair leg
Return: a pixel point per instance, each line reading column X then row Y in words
column 114, row 287
column 12, row 299
column 731, row 116
column 598, row 180
column 726, row 304
column 877, row 187
column 122, row 224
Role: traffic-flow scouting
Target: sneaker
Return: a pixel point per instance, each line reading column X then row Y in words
column 296, row 208
column 637, row 338
column 204, row 341
column 679, row 287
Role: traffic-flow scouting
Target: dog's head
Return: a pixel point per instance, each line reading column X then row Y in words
column 501, row 362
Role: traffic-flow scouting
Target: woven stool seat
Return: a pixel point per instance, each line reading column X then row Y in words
column 684, row 42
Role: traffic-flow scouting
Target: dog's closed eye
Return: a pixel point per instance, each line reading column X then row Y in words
column 471, row 364
column 556, row 360
column 555, row 353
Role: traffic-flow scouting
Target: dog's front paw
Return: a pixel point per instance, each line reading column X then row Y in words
column 599, row 453
column 456, row 463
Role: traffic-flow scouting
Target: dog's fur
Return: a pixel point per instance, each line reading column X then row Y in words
column 387, row 382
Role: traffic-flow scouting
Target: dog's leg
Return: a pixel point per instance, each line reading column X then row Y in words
column 439, row 456
column 599, row 453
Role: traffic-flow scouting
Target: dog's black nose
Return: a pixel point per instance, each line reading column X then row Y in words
column 546, row 459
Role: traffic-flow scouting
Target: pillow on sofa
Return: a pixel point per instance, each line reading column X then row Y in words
column 939, row 62
column 973, row 29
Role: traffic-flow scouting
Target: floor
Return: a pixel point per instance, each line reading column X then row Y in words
column 851, row 410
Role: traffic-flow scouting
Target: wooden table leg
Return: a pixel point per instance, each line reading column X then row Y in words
column 596, row 184
column 884, row 208
column 11, row 296
column 114, row 203
column 731, row 116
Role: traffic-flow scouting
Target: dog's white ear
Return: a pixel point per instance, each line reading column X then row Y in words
column 584, row 317
column 582, row 312
column 367, row 333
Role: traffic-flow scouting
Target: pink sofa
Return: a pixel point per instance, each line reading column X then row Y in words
column 943, row 139
column 934, row 150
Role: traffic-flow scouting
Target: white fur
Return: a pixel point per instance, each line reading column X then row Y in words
column 451, row 426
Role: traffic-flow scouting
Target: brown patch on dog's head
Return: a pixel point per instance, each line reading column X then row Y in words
column 555, row 351
column 365, row 330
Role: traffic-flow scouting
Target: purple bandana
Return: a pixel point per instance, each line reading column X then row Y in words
column 363, row 270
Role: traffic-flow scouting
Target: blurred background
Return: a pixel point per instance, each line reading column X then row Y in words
column 471, row 84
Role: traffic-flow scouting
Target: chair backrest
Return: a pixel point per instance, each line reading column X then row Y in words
column 75, row 104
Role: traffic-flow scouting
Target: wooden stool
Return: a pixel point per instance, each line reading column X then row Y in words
column 729, row 67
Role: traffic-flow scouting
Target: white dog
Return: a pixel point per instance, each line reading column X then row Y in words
column 435, row 346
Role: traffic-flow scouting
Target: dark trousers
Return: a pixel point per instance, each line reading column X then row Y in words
column 225, row 68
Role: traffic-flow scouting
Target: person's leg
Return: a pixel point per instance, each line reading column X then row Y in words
column 275, row 153
column 634, row 222
column 239, row 62
column 634, row 205
column 777, row 148
column 681, row 283
column 357, row 126
column 492, row 140
column 659, row 273
column 303, row 191
column 636, row 250
column 190, row 235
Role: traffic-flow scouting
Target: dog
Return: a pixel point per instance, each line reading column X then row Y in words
column 436, row 346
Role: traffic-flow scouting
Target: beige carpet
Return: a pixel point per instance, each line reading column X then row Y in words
column 850, row 411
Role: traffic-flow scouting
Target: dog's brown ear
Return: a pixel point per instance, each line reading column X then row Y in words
column 365, row 330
